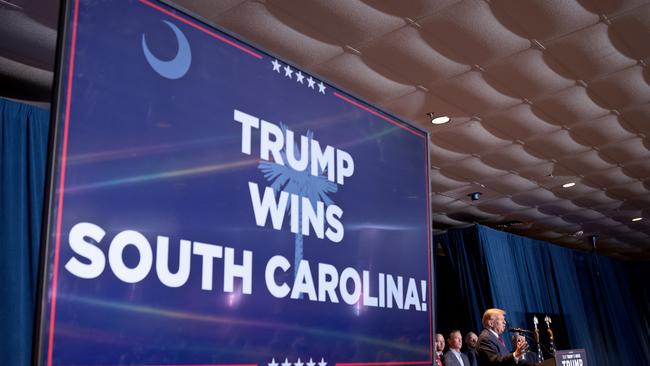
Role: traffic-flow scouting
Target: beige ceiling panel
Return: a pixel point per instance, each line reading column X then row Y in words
column 349, row 22
column 511, row 157
column 628, row 190
column 636, row 119
column 543, row 20
column 558, row 208
column 528, row 216
column 208, row 9
column 500, row 206
column 443, row 204
column 252, row 21
column 597, row 226
column 468, row 138
column 554, row 145
column 439, row 156
column 472, row 93
column 571, row 242
column 585, row 163
column 350, row 70
column 417, row 104
column 473, row 33
column 444, row 221
column 587, row 54
column 583, row 216
column 612, row 228
column 622, row 89
column 637, row 203
column 539, row 172
column 415, row 60
column 607, row 210
column 517, row 123
column 600, row 131
column 614, row 244
column 643, row 225
column 413, row 9
column 568, row 106
column 631, row 150
column 546, row 234
column 511, row 184
column 558, row 225
column 463, row 193
column 575, row 192
column 596, row 198
column 640, row 170
column 441, row 183
column 534, row 197
column 471, row 169
column 633, row 30
column 625, row 218
column 607, row 178
column 473, row 214
column 551, row 179
column 632, row 236
column 525, row 75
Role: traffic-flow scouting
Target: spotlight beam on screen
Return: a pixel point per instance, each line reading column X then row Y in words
column 161, row 176
column 231, row 321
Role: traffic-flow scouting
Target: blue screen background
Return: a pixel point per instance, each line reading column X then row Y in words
column 163, row 157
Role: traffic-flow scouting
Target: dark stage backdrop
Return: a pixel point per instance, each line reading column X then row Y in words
column 601, row 302
column 23, row 150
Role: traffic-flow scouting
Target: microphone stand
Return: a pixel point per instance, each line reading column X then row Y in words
column 547, row 319
column 540, row 356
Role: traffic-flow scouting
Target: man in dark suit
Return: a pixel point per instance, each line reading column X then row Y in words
column 491, row 348
column 453, row 357
column 471, row 339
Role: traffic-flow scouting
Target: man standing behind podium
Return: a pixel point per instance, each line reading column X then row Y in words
column 453, row 357
column 491, row 348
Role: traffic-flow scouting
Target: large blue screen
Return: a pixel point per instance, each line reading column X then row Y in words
column 214, row 205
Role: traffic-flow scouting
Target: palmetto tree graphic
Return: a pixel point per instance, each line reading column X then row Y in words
column 301, row 183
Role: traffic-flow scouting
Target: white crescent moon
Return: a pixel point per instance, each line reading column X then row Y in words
column 176, row 67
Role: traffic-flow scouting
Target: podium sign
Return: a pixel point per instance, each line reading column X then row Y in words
column 573, row 357
column 211, row 204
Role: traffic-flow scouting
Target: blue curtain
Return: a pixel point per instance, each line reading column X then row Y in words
column 602, row 302
column 23, row 152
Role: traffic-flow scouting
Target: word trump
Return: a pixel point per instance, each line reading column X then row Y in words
column 306, row 214
column 273, row 140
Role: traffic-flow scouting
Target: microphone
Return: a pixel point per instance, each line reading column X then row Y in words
column 520, row 330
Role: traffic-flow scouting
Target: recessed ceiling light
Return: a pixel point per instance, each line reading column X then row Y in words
column 568, row 185
column 438, row 120
column 637, row 219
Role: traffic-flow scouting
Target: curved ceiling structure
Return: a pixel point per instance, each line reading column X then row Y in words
column 541, row 93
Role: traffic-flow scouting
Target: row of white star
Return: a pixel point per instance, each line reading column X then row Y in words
column 298, row 363
column 300, row 78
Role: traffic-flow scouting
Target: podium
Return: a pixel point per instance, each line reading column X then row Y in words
column 572, row 357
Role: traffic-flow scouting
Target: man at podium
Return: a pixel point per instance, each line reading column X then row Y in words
column 491, row 348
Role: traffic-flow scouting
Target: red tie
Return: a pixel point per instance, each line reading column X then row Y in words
column 502, row 342
column 438, row 362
